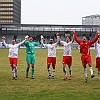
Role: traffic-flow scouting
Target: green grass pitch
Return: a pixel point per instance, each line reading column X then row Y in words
column 42, row 88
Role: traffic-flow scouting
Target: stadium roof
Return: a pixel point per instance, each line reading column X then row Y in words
column 47, row 26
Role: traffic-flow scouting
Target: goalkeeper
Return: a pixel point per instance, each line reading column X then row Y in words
column 13, row 54
column 30, row 55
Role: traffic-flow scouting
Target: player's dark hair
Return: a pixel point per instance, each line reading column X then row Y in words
column 14, row 39
column 83, row 35
column 68, row 37
column 30, row 36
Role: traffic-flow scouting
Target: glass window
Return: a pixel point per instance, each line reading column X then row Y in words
column 6, row 8
column 6, row 12
column 6, row 17
column 6, row 21
column 6, row 4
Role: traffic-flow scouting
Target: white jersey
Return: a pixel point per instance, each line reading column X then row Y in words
column 97, row 48
column 67, row 48
column 13, row 49
column 51, row 49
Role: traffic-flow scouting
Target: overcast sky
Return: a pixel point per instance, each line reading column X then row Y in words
column 67, row 12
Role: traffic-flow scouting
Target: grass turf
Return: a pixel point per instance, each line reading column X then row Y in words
column 42, row 88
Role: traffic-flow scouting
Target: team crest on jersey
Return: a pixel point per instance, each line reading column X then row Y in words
column 52, row 48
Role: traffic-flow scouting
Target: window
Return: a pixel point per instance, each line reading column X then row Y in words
column 6, row 21
column 6, row 17
column 6, row 8
column 6, row 4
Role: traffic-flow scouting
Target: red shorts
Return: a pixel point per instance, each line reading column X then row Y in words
column 51, row 60
column 67, row 60
column 86, row 59
column 13, row 61
column 98, row 63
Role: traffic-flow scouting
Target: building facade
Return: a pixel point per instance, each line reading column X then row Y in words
column 91, row 20
column 10, row 11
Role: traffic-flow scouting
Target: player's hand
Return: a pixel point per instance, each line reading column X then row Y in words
column 42, row 37
column 57, row 34
column 58, row 37
column 73, row 32
column 3, row 38
column 26, row 37
column 98, row 33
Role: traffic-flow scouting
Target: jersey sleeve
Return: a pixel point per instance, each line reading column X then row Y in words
column 45, row 45
column 94, row 40
column 7, row 45
column 62, row 42
column 95, row 44
column 26, row 43
column 21, row 43
column 76, row 39
column 36, row 43
column 70, row 43
column 56, row 44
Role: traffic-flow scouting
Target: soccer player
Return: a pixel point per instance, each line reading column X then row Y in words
column 51, row 59
column 85, row 51
column 30, row 55
column 67, row 56
column 97, row 48
column 13, row 54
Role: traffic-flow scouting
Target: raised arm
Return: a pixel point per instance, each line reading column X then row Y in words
column 95, row 42
column 21, row 42
column 37, row 43
column 95, row 45
column 42, row 38
column 75, row 37
column 95, row 39
column 58, row 39
column 26, row 37
column 3, row 40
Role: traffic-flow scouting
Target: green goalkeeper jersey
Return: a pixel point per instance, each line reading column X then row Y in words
column 30, row 46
